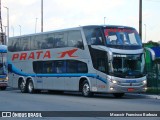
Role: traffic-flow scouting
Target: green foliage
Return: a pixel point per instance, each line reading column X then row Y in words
column 153, row 90
column 151, row 44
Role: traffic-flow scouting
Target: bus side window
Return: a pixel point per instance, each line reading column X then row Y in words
column 71, row 66
column 49, row 42
column 75, row 39
column 11, row 45
column 101, row 65
column 60, row 40
column 94, row 36
column 60, row 67
column 82, row 67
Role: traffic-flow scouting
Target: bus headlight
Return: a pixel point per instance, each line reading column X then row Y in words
column 111, row 88
column 114, row 81
column 144, row 82
column 145, row 88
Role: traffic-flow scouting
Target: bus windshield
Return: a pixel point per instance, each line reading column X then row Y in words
column 128, row 65
column 122, row 36
column 2, row 63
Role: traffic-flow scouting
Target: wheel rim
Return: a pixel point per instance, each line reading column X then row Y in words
column 30, row 87
column 86, row 89
column 22, row 86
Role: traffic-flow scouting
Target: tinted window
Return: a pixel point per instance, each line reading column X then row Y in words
column 94, row 36
column 25, row 43
column 38, row 67
column 60, row 40
column 74, row 66
column 50, row 40
column 17, row 45
column 47, row 41
column 11, row 44
column 82, row 67
column 75, row 39
column 36, row 42
column 60, row 66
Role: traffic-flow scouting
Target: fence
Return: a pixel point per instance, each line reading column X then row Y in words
column 153, row 77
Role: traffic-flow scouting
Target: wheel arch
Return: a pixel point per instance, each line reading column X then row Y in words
column 82, row 79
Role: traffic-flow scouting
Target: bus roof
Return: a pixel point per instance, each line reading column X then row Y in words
column 3, row 49
column 109, row 26
column 60, row 30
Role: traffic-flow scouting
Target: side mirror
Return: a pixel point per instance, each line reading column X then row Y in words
column 9, row 67
column 151, row 52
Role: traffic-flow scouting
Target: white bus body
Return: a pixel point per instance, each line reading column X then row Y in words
column 86, row 59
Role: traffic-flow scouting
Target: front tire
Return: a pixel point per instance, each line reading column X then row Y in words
column 86, row 89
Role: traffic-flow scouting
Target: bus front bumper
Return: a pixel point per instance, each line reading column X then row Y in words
column 127, row 89
column 3, row 83
column 130, row 86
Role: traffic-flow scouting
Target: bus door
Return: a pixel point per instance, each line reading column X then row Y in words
column 102, row 69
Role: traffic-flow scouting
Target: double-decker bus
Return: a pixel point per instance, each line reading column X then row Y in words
column 89, row 59
column 3, row 67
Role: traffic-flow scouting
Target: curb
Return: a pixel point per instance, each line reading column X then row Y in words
column 154, row 96
column 149, row 96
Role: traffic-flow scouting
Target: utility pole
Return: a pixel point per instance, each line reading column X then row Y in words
column 1, row 29
column 41, row 15
column 20, row 30
column 140, row 18
column 104, row 20
column 7, row 24
column 36, row 25
column 145, row 32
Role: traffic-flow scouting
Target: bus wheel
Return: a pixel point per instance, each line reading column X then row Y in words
column 22, row 86
column 86, row 89
column 3, row 88
column 118, row 95
column 30, row 87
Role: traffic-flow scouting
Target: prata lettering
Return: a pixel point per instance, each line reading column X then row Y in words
column 32, row 55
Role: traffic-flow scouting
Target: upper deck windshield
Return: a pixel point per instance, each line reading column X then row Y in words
column 122, row 36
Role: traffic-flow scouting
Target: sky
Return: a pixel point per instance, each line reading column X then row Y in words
column 25, row 15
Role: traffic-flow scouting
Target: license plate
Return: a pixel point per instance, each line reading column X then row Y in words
column 130, row 89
